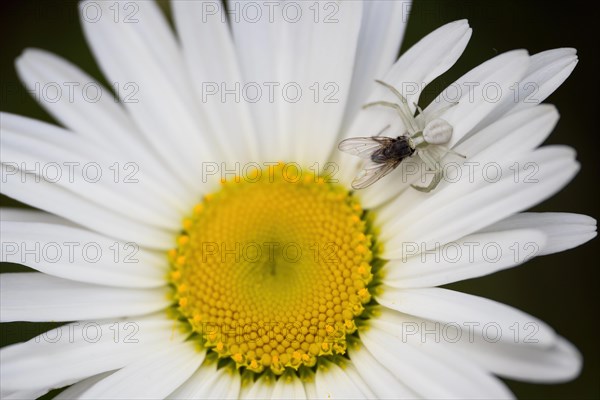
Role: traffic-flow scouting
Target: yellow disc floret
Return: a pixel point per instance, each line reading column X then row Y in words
column 273, row 272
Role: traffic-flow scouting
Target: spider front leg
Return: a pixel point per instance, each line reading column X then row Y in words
column 432, row 165
column 393, row 90
column 403, row 99
column 383, row 103
column 407, row 119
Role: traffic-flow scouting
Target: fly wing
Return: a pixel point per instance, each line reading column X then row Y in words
column 372, row 172
column 363, row 147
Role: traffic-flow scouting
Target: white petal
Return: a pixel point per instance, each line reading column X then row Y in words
column 422, row 63
column 515, row 133
column 469, row 257
column 200, row 19
column 311, row 66
column 255, row 41
column 78, row 254
column 310, row 387
column 431, row 375
column 358, row 380
column 81, row 103
column 564, row 231
column 381, row 381
column 463, row 207
column 381, row 32
column 480, row 91
column 58, row 86
column 32, row 296
column 73, row 392
column 136, row 165
column 79, row 350
column 153, row 376
column 24, row 395
column 547, row 71
column 57, row 200
column 165, row 110
column 560, row 363
column 517, row 358
column 26, row 215
column 259, row 390
column 288, row 386
column 447, row 306
column 76, row 164
column 333, row 382
column 208, row 382
column 322, row 54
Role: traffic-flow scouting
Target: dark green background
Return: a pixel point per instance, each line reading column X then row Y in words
column 561, row 289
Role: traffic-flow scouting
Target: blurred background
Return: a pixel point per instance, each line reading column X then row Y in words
column 561, row 289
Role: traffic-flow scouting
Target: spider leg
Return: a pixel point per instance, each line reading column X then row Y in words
column 419, row 109
column 393, row 90
column 406, row 119
column 403, row 102
column 450, row 151
column 432, row 165
column 442, row 110
column 439, row 174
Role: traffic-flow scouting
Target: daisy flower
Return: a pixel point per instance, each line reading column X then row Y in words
column 203, row 234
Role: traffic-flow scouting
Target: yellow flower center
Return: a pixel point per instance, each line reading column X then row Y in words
column 272, row 271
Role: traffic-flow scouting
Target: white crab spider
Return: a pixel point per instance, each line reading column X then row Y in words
column 423, row 136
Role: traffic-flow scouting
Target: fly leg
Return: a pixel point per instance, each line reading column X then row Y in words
column 383, row 130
